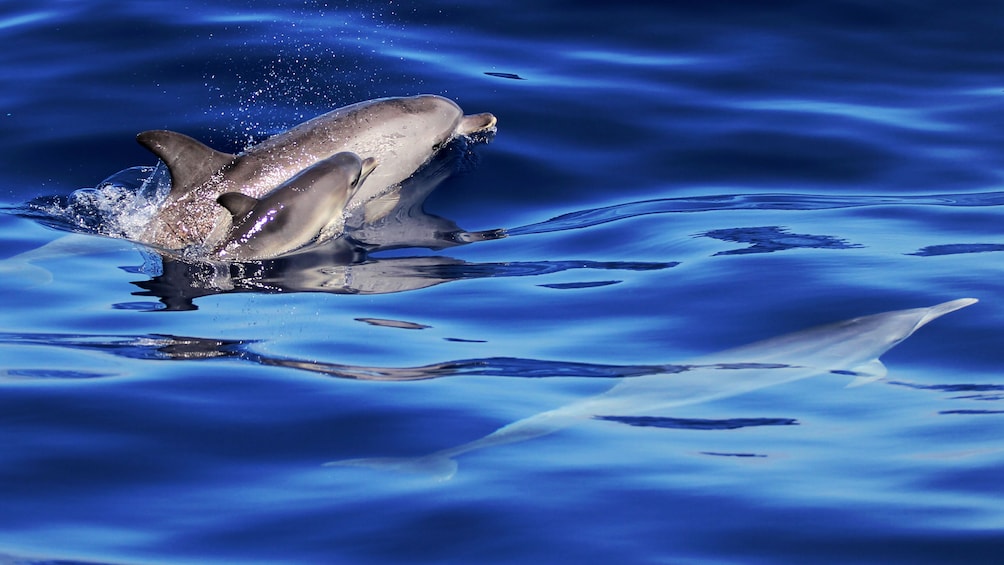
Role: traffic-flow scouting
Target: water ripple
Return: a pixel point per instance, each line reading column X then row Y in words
column 777, row 201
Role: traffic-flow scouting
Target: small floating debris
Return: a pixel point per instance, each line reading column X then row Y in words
column 511, row 76
column 400, row 324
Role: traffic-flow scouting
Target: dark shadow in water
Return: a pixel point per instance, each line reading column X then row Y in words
column 578, row 285
column 179, row 284
column 37, row 374
column 160, row 347
column 961, row 387
column 697, row 423
column 387, row 323
column 971, row 391
column 510, row 76
column 957, row 249
column 768, row 239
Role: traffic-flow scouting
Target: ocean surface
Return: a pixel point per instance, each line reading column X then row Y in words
column 672, row 180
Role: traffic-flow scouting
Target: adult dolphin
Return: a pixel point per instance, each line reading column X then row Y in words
column 400, row 133
column 851, row 347
column 294, row 214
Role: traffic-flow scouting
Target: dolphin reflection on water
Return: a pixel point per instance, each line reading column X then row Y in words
column 180, row 284
column 851, row 347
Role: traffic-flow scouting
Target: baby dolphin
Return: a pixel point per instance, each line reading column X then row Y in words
column 402, row 134
column 294, row 214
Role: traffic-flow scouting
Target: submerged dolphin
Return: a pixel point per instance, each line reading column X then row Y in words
column 400, row 133
column 850, row 347
column 294, row 214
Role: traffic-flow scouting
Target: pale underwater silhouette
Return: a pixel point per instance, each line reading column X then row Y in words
column 23, row 270
column 851, row 347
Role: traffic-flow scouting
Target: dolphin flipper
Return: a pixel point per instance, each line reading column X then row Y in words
column 190, row 161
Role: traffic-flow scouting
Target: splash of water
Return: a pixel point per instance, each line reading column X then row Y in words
column 119, row 206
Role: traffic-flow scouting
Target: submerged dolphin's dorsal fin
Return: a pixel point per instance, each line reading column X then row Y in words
column 190, row 161
column 236, row 203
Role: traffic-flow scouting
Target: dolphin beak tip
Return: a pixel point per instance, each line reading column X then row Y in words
column 369, row 164
column 477, row 123
column 365, row 168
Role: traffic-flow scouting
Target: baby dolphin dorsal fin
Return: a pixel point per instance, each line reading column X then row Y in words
column 236, row 203
column 190, row 161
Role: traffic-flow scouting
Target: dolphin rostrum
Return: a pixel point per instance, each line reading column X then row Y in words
column 294, row 214
column 851, row 347
column 400, row 133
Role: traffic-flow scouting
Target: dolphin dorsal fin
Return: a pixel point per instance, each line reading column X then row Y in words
column 190, row 162
column 236, row 203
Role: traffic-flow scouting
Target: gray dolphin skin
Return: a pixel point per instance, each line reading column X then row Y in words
column 294, row 214
column 402, row 134
column 851, row 347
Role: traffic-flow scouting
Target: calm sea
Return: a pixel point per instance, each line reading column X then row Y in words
column 675, row 179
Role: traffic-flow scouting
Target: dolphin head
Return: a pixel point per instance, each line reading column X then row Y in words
column 447, row 117
column 337, row 178
column 318, row 195
column 366, row 167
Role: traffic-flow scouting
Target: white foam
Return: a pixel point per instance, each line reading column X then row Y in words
column 121, row 205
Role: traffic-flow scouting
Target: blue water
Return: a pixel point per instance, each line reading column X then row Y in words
column 675, row 181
